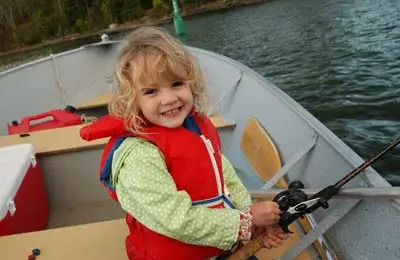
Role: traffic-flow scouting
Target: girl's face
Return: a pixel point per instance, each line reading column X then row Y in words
column 165, row 103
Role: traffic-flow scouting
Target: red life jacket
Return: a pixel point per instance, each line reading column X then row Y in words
column 191, row 160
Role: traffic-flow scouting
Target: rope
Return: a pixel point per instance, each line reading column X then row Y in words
column 59, row 84
column 88, row 119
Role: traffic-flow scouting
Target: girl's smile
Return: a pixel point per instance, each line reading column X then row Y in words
column 165, row 104
column 172, row 112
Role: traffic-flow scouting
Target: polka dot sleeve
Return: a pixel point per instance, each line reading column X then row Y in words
column 146, row 190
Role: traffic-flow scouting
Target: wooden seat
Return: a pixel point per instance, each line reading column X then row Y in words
column 52, row 141
column 100, row 101
column 67, row 139
column 98, row 241
column 264, row 157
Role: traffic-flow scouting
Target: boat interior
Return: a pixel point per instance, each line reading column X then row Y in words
column 264, row 133
column 83, row 216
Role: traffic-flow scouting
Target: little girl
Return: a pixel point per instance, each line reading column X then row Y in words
column 163, row 162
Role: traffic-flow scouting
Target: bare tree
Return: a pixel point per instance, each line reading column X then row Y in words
column 7, row 16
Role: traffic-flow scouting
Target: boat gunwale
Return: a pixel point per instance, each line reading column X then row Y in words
column 59, row 54
column 40, row 60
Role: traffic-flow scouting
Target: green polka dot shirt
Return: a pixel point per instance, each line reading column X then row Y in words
column 146, row 190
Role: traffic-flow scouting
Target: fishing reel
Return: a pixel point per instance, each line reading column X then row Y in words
column 287, row 199
column 291, row 197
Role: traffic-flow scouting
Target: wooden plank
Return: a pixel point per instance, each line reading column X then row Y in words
column 67, row 139
column 51, row 141
column 99, row 101
column 220, row 123
column 260, row 150
column 97, row 241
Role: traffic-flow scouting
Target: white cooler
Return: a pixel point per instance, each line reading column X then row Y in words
column 23, row 200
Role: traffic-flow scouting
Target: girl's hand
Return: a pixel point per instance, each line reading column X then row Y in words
column 265, row 213
column 274, row 236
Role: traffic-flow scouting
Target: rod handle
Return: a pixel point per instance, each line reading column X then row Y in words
column 248, row 250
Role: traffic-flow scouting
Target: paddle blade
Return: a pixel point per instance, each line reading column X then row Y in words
column 261, row 151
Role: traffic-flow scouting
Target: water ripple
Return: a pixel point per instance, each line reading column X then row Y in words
column 339, row 59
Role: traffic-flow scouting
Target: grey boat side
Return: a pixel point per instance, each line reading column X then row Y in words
column 366, row 232
column 52, row 82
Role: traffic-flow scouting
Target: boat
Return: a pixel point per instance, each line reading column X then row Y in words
column 270, row 139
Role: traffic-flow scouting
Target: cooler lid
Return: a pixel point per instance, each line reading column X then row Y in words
column 14, row 163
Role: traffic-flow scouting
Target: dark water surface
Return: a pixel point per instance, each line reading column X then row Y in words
column 340, row 59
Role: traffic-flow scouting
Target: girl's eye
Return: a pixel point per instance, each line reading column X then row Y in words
column 177, row 84
column 149, row 91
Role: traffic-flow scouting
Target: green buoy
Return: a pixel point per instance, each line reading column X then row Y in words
column 178, row 21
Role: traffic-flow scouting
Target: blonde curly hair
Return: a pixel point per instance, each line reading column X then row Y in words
column 150, row 54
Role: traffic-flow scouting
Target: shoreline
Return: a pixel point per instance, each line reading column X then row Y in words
column 187, row 11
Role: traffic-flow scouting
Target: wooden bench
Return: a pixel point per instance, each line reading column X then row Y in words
column 67, row 139
column 100, row 101
column 98, row 241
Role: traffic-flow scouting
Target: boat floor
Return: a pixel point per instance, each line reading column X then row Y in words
column 85, row 213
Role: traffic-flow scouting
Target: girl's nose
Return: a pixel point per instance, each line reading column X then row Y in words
column 168, row 97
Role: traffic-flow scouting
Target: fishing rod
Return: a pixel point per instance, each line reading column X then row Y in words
column 295, row 203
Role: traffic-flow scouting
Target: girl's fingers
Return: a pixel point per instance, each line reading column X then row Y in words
column 283, row 236
column 274, row 237
column 266, row 244
column 276, row 211
column 273, row 243
column 277, row 240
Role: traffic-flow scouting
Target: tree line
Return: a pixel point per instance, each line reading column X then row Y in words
column 27, row 22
